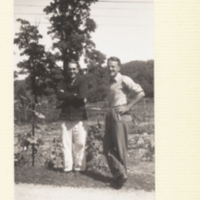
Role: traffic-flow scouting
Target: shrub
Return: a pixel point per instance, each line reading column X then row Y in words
column 23, row 148
column 94, row 149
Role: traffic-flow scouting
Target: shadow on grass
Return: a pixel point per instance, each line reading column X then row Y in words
column 97, row 176
column 85, row 179
column 91, row 174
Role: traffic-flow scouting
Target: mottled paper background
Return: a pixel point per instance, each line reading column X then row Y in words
column 177, row 100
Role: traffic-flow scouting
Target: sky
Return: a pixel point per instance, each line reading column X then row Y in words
column 124, row 28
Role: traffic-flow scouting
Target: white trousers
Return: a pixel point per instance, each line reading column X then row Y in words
column 74, row 132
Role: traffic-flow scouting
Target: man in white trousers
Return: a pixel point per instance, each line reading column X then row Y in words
column 72, row 91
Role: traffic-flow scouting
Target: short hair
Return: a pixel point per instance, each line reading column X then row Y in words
column 114, row 59
column 75, row 62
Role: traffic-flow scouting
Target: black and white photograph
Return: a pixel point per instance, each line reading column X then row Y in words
column 83, row 99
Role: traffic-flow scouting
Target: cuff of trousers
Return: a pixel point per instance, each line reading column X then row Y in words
column 79, row 170
column 67, row 170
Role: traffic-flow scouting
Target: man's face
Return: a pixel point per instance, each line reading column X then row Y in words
column 113, row 67
column 72, row 70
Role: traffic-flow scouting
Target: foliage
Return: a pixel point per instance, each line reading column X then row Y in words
column 24, row 112
column 22, row 102
column 142, row 73
column 70, row 30
column 23, row 147
column 21, row 111
column 144, row 142
column 48, row 147
column 15, row 74
column 22, row 105
column 143, row 129
column 95, row 158
column 98, row 84
column 95, row 59
column 27, row 40
column 21, row 90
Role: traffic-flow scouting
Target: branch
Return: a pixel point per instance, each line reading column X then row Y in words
column 37, row 25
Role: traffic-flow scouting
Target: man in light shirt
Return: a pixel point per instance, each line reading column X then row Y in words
column 124, row 94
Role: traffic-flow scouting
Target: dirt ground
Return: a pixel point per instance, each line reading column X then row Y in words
column 47, row 192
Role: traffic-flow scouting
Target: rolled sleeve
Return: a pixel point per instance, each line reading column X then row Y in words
column 132, row 86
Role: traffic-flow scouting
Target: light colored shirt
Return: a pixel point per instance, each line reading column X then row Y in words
column 120, row 89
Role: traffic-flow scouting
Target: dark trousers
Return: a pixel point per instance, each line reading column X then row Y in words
column 115, row 143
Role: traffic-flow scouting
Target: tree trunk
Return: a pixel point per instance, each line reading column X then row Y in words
column 65, row 63
column 33, row 128
column 34, row 100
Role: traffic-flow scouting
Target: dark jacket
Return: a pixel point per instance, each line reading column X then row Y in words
column 73, row 107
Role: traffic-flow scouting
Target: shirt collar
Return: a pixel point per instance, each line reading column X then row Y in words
column 117, row 77
column 74, row 82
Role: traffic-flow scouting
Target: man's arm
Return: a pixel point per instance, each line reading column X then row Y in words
column 136, row 89
column 62, row 94
column 81, row 94
column 125, row 108
column 82, row 91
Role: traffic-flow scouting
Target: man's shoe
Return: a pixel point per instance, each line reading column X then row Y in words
column 67, row 171
column 115, row 185
column 118, row 183
column 121, row 179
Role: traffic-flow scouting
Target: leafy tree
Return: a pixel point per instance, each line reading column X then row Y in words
column 95, row 59
column 27, row 40
column 97, row 77
column 15, row 74
column 33, row 65
column 70, row 28
column 98, row 84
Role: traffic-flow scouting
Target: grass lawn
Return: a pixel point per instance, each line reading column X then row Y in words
column 140, row 176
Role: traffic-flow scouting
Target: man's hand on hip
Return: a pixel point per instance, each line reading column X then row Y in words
column 122, row 109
